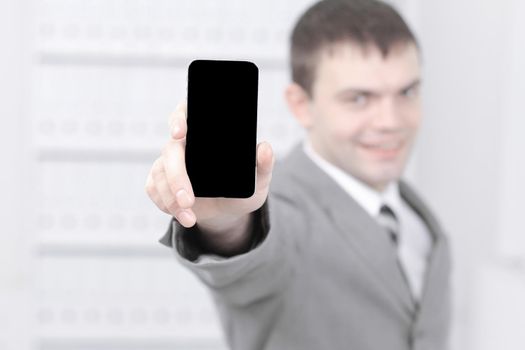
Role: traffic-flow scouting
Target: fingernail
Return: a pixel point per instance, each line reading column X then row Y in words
column 184, row 199
column 185, row 215
column 175, row 130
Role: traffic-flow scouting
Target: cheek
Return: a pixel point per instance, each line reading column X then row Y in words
column 413, row 127
column 345, row 137
column 348, row 127
column 413, row 117
column 337, row 125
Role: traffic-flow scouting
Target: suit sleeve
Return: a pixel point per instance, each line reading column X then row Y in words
column 242, row 279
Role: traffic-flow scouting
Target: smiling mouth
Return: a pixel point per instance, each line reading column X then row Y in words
column 387, row 150
column 387, row 146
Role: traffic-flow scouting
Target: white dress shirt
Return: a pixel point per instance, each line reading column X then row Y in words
column 414, row 239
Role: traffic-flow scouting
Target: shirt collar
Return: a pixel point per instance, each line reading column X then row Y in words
column 369, row 198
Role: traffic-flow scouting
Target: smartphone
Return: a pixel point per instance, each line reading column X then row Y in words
column 222, row 128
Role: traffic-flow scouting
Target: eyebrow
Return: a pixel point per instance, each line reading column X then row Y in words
column 369, row 92
column 413, row 84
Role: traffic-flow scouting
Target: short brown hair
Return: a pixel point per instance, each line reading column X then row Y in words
column 329, row 22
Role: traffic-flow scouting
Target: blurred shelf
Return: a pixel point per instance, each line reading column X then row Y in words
column 102, row 155
column 128, row 342
column 131, row 246
column 134, row 59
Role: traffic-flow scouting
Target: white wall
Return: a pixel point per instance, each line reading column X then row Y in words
column 471, row 157
column 15, row 245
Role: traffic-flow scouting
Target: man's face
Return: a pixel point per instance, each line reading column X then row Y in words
column 365, row 110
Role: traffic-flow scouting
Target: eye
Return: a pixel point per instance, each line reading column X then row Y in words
column 410, row 92
column 358, row 100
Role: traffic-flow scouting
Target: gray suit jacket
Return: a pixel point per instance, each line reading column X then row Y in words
column 325, row 275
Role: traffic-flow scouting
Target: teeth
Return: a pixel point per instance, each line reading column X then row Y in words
column 389, row 146
column 386, row 146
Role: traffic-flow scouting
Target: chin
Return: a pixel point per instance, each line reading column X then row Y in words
column 384, row 175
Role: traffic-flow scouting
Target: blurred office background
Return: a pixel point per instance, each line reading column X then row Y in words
column 86, row 88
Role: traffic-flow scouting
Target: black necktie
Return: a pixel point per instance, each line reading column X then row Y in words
column 389, row 221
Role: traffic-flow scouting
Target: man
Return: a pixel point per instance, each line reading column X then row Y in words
column 336, row 252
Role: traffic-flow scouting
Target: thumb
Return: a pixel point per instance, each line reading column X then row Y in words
column 265, row 161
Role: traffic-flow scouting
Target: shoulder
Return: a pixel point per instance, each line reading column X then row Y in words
column 292, row 175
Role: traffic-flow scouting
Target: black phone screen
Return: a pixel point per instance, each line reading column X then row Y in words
column 222, row 128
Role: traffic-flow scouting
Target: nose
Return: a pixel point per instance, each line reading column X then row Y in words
column 388, row 115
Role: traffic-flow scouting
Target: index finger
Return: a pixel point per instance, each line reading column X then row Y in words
column 175, row 170
column 177, row 121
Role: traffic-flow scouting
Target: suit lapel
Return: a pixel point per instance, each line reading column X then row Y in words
column 371, row 243
column 358, row 229
column 436, row 279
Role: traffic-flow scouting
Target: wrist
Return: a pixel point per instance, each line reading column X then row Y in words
column 229, row 237
column 225, row 225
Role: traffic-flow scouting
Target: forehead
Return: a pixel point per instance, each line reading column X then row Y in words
column 348, row 65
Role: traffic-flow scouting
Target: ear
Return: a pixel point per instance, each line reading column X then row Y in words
column 299, row 103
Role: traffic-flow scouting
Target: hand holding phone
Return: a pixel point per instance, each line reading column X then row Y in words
column 169, row 187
